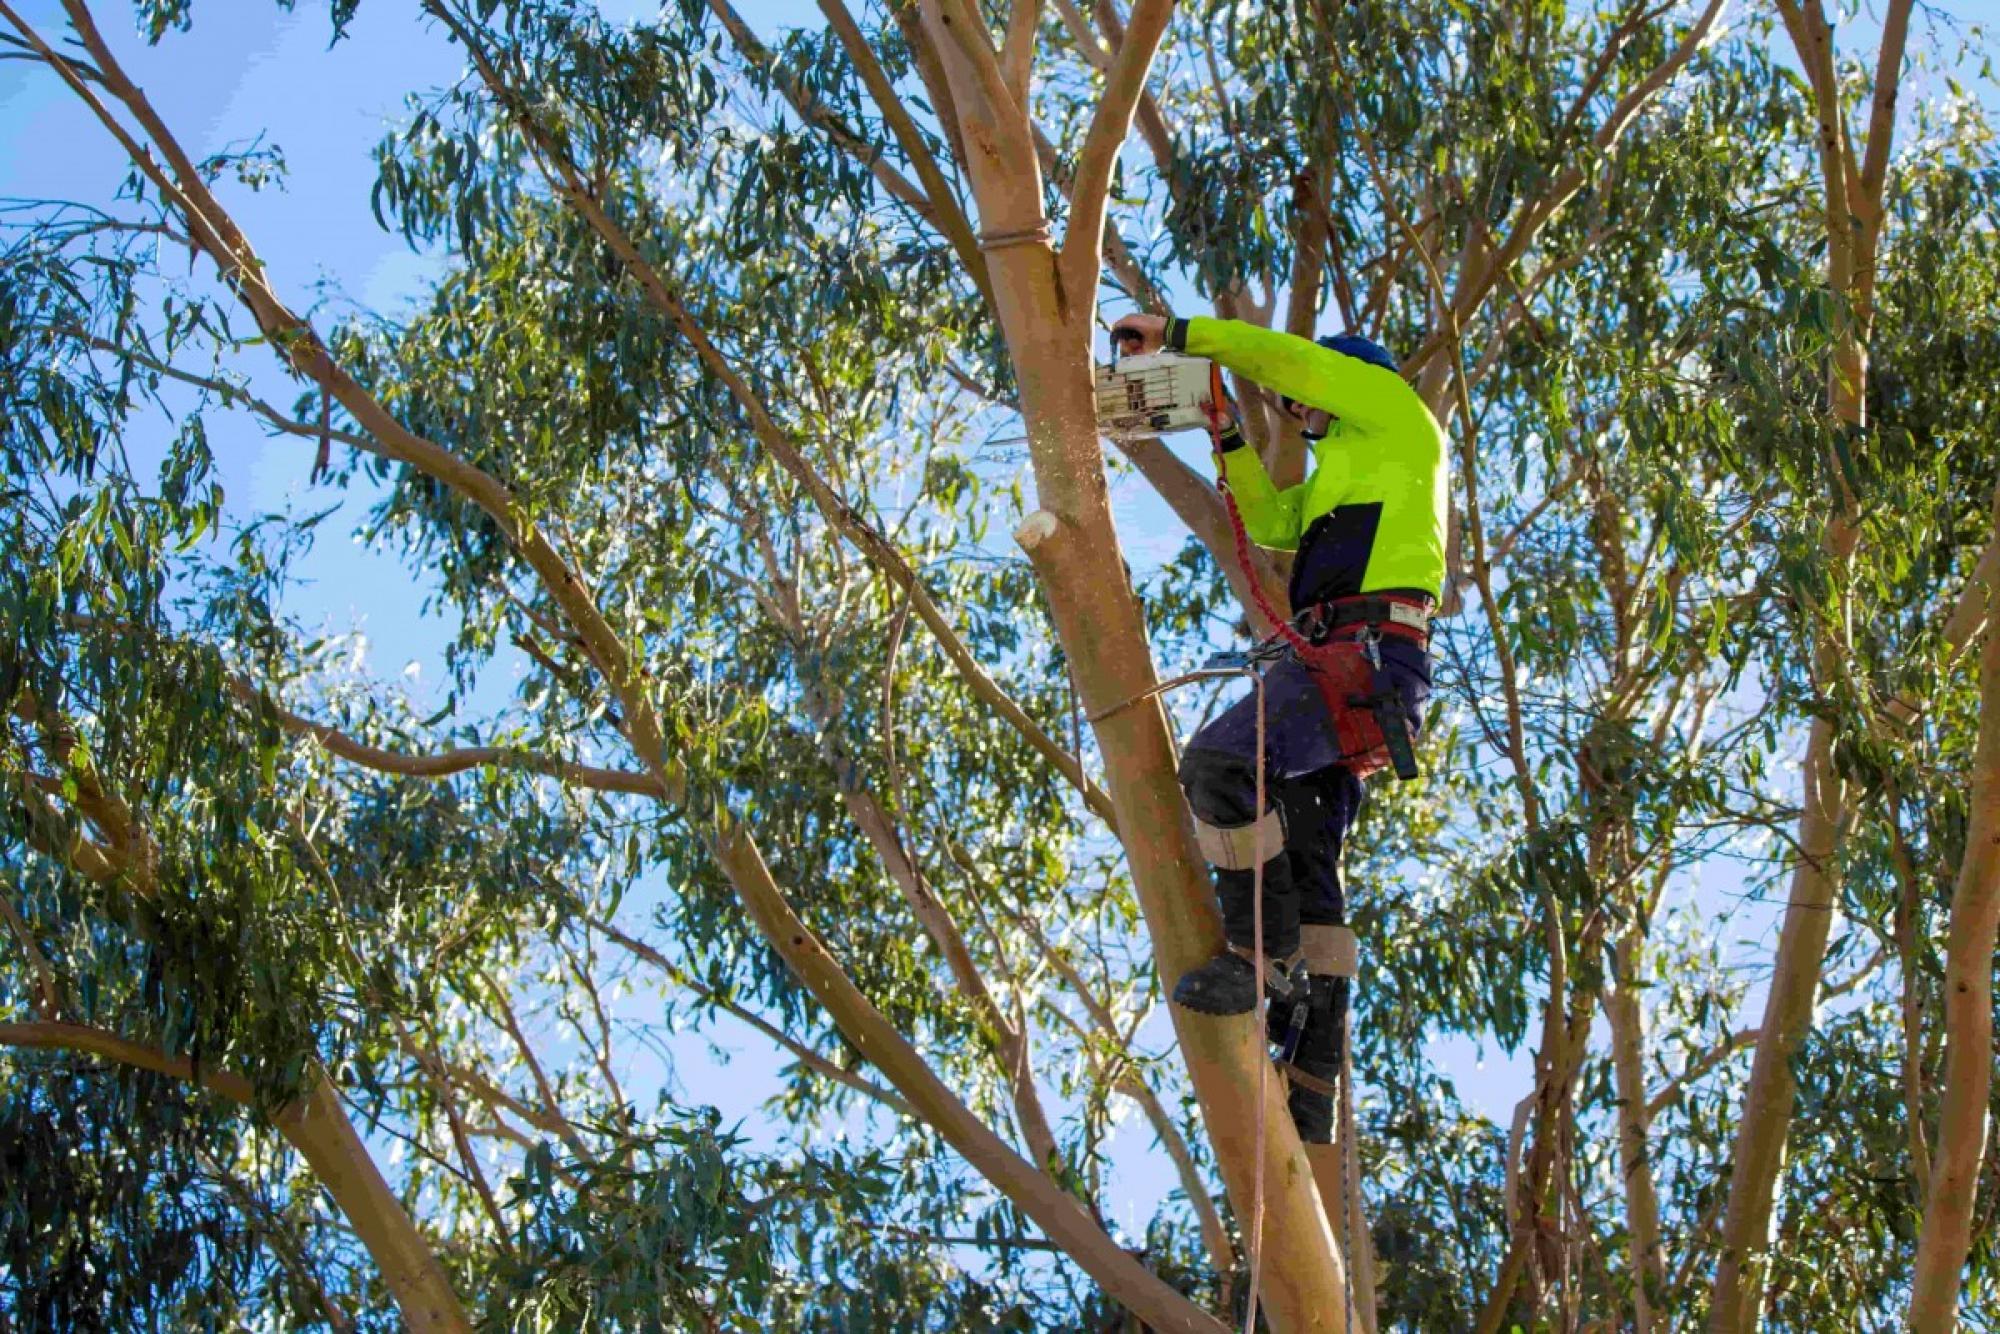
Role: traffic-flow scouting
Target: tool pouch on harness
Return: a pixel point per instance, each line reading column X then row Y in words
column 1367, row 709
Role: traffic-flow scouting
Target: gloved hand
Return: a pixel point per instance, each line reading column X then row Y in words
column 1138, row 333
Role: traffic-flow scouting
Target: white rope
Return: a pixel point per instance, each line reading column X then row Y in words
column 1257, row 1013
column 1350, row 1185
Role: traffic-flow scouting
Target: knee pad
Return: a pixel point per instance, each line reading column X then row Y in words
column 1331, row 951
column 1222, row 793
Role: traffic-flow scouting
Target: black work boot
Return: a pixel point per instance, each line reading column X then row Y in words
column 1318, row 1058
column 1227, row 984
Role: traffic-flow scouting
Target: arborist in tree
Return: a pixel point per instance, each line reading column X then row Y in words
column 1345, row 699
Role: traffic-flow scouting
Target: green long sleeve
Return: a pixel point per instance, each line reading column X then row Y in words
column 1369, row 396
column 1371, row 513
column 1270, row 516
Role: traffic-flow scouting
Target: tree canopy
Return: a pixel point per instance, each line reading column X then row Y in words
column 802, row 693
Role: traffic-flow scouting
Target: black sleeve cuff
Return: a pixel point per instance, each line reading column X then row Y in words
column 1177, row 331
column 1232, row 438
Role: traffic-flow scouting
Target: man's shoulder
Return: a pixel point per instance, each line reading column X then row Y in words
column 1404, row 422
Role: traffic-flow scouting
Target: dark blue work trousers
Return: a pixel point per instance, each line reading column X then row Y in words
column 1317, row 796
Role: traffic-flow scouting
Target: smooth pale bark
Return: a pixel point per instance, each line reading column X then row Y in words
column 1046, row 319
column 1357, row 1247
column 1622, row 1008
column 1946, row 1237
column 1759, row 1155
column 1337, row 1171
column 1301, row 1270
column 319, row 1129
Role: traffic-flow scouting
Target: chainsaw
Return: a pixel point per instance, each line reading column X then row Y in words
column 1153, row 394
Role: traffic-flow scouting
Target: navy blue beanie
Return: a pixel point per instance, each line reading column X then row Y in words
column 1362, row 349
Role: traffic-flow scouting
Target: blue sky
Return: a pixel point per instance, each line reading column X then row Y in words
column 248, row 68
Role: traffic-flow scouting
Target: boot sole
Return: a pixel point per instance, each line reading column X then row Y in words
column 1216, row 1010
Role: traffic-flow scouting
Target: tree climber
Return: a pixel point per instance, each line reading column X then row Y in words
column 1368, row 527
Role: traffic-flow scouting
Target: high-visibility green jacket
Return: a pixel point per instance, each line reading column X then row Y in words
column 1370, row 517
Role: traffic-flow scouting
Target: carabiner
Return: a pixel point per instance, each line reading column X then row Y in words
column 1371, row 646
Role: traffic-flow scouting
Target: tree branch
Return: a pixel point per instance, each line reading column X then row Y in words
column 1083, row 244
column 48, row 991
column 565, row 1129
column 445, row 763
column 1153, row 127
column 1017, row 53
column 305, row 353
column 805, row 1055
column 949, row 214
column 317, row 1126
column 1474, row 287
column 812, row 111
column 1882, row 115
column 1055, row 1212
column 1117, row 256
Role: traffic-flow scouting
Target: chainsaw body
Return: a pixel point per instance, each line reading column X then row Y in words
column 1152, row 395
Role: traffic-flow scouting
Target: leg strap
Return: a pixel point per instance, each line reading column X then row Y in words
column 1236, row 848
column 1281, row 976
column 1307, row 1081
column 1330, row 950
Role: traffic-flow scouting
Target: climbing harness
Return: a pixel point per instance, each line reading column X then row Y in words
column 1344, row 646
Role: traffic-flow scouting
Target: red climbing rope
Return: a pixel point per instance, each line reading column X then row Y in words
column 1282, row 625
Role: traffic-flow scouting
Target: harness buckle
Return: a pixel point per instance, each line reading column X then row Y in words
column 1371, row 645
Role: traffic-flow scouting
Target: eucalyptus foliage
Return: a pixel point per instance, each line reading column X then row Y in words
column 223, row 843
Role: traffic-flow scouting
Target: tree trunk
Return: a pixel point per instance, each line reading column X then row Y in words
column 1759, row 1155
column 1968, row 1014
column 1853, row 192
column 1301, row 1270
column 1357, row 1247
column 1337, row 1171
column 1045, row 316
column 1642, row 1203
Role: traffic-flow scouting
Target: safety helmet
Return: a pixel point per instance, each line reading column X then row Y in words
column 1364, row 349
column 1350, row 345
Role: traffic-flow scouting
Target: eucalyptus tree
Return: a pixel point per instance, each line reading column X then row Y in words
column 694, row 436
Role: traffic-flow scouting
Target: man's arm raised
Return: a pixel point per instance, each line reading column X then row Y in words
column 1369, row 396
